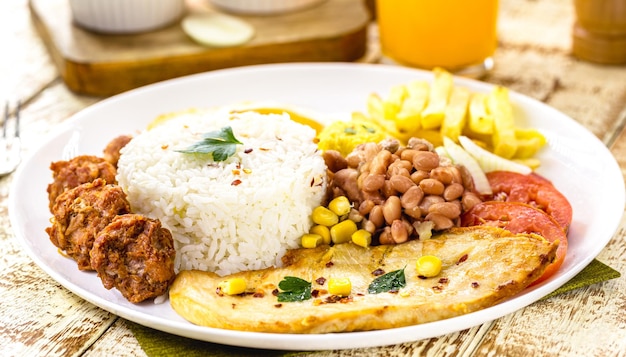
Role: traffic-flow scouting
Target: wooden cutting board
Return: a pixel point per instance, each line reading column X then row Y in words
column 102, row 65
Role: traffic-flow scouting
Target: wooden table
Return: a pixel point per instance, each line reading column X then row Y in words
column 39, row 317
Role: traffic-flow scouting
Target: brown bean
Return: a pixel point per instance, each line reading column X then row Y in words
column 375, row 197
column 429, row 200
column 453, row 191
column 376, row 216
column 401, row 183
column 398, row 171
column 419, row 144
column 406, row 165
column 441, row 222
column 346, row 180
column 380, row 162
column 447, row 209
column 407, row 154
column 432, row 187
column 392, row 209
column 425, row 160
column 334, row 160
column 412, row 197
column 419, row 175
column 385, row 237
column 365, row 207
column 414, row 212
column 373, row 182
column 388, row 190
column 399, row 232
column 469, row 200
column 355, row 216
column 445, row 174
column 368, row 226
column 468, row 182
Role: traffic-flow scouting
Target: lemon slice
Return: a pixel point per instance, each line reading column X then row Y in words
column 217, row 30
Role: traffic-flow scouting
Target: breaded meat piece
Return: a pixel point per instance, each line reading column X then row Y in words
column 82, row 212
column 79, row 170
column 135, row 255
column 112, row 150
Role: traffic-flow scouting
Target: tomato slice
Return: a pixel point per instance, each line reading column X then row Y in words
column 532, row 189
column 518, row 217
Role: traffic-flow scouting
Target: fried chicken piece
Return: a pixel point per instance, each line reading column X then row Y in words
column 135, row 255
column 81, row 169
column 82, row 212
column 112, row 150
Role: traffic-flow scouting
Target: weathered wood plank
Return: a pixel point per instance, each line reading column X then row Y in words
column 117, row 341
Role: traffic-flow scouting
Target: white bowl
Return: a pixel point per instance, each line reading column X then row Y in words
column 125, row 16
column 264, row 7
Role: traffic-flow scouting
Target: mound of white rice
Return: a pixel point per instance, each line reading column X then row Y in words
column 239, row 214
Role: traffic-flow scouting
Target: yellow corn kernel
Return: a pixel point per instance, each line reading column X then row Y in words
column 323, row 231
column 362, row 238
column 340, row 205
column 311, row 240
column 233, row 286
column 339, row 286
column 342, row 231
column 428, row 266
column 324, row 216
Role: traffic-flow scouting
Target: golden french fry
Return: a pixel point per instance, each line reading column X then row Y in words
column 499, row 105
column 375, row 107
column 455, row 113
column 408, row 119
column 480, row 121
column 433, row 114
column 393, row 103
column 529, row 141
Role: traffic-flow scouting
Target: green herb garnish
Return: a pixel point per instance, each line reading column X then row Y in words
column 221, row 144
column 294, row 289
column 368, row 129
column 349, row 131
column 392, row 281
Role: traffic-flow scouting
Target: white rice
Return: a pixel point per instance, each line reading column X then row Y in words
column 218, row 226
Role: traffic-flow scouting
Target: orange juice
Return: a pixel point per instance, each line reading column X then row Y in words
column 453, row 34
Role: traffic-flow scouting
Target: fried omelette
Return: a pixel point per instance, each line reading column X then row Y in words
column 481, row 267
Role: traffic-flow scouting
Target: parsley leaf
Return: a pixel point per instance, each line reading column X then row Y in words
column 392, row 281
column 294, row 289
column 221, row 144
column 349, row 131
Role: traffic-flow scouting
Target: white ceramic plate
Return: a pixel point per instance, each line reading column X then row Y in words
column 575, row 160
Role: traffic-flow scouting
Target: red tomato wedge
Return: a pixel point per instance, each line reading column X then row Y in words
column 532, row 189
column 520, row 218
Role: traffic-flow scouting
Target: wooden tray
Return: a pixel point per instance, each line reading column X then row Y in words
column 103, row 65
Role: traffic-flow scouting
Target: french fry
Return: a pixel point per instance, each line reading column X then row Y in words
column 408, row 119
column 455, row 113
column 480, row 121
column 393, row 103
column 529, row 141
column 499, row 105
column 433, row 114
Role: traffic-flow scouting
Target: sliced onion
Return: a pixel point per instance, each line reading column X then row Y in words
column 217, row 30
column 489, row 161
column 461, row 157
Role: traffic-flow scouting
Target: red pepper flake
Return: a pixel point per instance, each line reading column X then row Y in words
column 315, row 293
column 378, row 272
column 275, row 292
column 329, row 264
column 437, row 287
column 247, row 151
column 278, row 306
column 475, row 284
column 236, row 183
column 333, row 299
column 233, row 306
column 443, row 281
column 320, row 280
column 462, row 259
column 258, row 294
column 164, row 146
column 422, row 277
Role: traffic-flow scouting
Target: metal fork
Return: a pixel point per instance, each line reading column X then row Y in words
column 10, row 143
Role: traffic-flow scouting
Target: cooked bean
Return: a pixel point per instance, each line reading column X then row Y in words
column 334, row 160
column 398, row 171
column 419, row 175
column 368, row 226
column 399, row 232
column 355, row 215
column 380, row 162
column 401, row 183
column 373, row 182
column 365, row 207
column 419, row 144
column 385, row 237
column 447, row 209
column 346, row 180
column 414, row 212
column 453, row 191
column 376, row 216
column 469, row 200
column 432, row 187
column 375, row 197
column 429, row 200
column 441, row 222
column 412, row 197
column 407, row 155
column 388, row 190
column 425, row 160
column 406, row 165
column 444, row 174
column 392, row 209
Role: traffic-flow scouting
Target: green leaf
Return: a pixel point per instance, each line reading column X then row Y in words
column 294, row 289
column 221, row 144
column 349, row 131
column 392, row 281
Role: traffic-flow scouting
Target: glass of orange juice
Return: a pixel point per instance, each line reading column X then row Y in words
column 457, row 35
